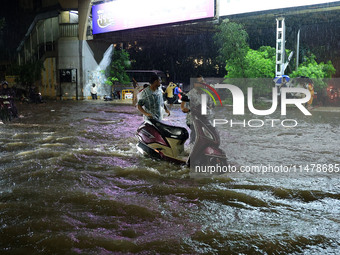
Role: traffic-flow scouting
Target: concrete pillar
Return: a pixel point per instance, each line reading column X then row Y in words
column 84, row 7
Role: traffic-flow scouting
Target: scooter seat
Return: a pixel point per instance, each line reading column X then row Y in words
column 170, row 131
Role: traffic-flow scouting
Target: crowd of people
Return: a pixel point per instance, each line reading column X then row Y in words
column 172, row 94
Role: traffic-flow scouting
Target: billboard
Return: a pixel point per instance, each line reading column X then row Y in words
column 126, row 14
column 230, row 7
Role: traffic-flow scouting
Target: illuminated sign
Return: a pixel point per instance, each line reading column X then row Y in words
column 230, row 7
column 125, row 14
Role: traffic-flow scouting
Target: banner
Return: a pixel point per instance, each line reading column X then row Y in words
column 126, row 14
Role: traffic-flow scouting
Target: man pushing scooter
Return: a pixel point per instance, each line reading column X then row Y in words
column 150, row 100
column 163, row 141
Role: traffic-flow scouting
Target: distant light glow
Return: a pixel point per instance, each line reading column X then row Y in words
column 229, row 7
column 126, row 14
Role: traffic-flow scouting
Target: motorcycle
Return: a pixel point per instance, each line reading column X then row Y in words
column 8, row 110
column 166, row 142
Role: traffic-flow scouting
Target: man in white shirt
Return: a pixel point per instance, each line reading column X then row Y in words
column 94, row 91
column 150, row 100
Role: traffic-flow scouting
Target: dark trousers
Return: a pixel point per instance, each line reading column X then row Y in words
column 94, row 96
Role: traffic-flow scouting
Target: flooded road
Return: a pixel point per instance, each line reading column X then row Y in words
column 72, row 182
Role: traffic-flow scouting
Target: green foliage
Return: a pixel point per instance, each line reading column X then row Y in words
column 328, row 69
column 243, row 63
column 317, row 72
column 246, row 66
column 116, row 71
column 231, row 38
column 257, row 71
column 257, row 64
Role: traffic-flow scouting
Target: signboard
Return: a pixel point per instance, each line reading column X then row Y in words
column 128, row 95
column 11, row 79
column 230, row 7
column 126, row 14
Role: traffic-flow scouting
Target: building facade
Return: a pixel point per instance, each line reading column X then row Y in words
column 62, row 40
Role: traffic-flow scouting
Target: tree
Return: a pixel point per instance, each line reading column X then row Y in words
column 256, row 64
column 243, row 64
column 318, row 72
column 231, row 39
column 257, row 71
column 116, row 71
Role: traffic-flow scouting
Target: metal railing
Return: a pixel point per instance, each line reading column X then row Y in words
column 68, row 30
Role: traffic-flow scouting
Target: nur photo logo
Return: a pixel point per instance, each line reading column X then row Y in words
column 245, row 101
column 239, row 99
column 209, row 93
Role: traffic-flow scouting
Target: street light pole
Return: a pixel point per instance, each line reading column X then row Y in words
column 297, row 50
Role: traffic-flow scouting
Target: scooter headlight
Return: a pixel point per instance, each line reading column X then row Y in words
column 174, row 131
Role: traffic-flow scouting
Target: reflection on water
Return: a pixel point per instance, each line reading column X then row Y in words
column 72, row 182
column 264, row 139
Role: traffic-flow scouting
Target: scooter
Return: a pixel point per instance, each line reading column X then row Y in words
column 166, row 142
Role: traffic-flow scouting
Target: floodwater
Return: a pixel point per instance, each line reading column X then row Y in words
column 72, row 182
